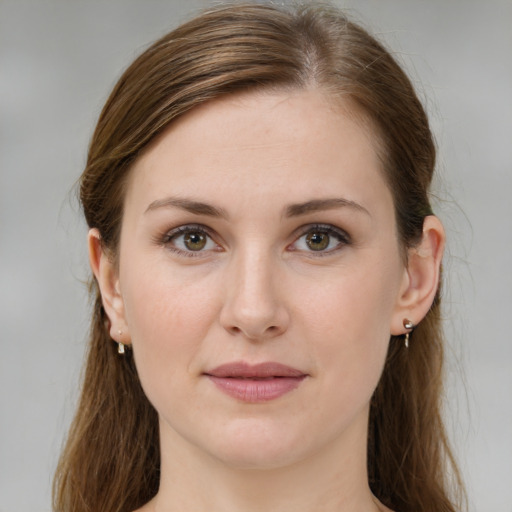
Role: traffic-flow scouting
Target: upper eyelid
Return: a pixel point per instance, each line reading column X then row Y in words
column 302, row 230
column 344, row 239
column 178, row 230
column 299, row 232
column 167, row 238
column 168, row 235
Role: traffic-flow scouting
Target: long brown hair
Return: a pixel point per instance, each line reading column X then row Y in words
column 111, row 460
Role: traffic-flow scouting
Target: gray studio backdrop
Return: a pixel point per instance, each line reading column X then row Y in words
column 58, row 61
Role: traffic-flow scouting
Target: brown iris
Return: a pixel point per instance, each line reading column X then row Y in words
column 317, row 241
column 195, row 241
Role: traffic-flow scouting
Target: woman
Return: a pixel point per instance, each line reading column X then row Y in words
column 266, row 329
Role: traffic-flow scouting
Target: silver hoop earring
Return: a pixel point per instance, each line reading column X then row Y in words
column 407, row 325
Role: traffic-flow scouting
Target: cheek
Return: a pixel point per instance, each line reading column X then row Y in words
column 351, row 318
column 167, row 319
column 356, row 301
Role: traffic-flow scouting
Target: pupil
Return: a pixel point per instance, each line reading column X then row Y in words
column 195, row 241
column 317, row 241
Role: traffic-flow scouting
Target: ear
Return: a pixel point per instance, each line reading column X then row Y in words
column 421, row 277
column 106, row 274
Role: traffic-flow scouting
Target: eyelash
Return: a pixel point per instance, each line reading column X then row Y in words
column 171, row 236
column 340, row 235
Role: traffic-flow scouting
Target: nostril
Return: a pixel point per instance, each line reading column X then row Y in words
column 270, row 331
column 257, row 322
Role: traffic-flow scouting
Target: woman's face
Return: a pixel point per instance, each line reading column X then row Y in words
column 259, row 278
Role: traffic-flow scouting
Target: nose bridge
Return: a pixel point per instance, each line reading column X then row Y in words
column 252, row 306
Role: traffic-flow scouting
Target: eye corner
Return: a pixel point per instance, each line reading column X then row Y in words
column 337, row 240
column 175, row 240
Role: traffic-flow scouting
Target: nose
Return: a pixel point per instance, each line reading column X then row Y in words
column 254, row 304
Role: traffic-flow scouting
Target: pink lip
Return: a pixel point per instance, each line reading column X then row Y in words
column 255, row 383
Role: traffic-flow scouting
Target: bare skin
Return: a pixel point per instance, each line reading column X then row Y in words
column 259, row 229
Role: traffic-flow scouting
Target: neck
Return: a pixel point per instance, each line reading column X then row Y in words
column 331, row 480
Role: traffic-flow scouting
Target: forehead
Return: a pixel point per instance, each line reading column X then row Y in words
column 296, row 144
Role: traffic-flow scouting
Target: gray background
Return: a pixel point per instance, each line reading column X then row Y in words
column 58, row 61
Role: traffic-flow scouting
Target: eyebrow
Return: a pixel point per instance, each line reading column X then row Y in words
column 293, row 210
column 317, row 205
column 189, row 205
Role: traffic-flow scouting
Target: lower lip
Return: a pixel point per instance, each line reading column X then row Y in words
column 256, row 390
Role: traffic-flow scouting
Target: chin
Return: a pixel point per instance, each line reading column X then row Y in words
column 258, row 447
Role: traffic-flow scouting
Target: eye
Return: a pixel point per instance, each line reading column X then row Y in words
column 317, row 241
column 188, row 240
column 321, row 239
column 194, row 241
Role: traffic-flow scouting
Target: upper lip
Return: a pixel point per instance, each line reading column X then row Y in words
column 245, row 370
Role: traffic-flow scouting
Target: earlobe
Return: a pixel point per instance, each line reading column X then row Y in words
column 106, row 274
column 421, row 278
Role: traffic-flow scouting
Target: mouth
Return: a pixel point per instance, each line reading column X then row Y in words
column 255, row 383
